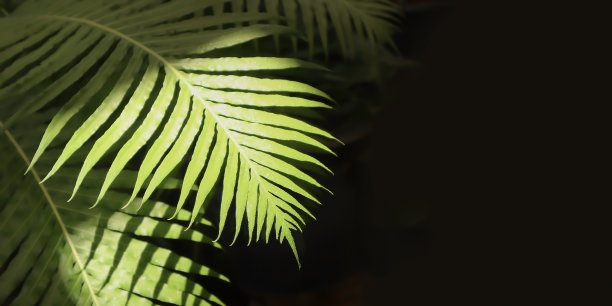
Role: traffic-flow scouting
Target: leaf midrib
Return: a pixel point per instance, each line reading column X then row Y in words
column 44, row 190
column 179, row 75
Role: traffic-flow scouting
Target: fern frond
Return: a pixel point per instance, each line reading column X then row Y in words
column 371, row 20
column 135, row 75
column 56, row 253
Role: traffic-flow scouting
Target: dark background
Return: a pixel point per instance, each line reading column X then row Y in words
column 481, row 181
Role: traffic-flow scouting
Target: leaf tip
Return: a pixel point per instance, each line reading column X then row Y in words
column 45, row 179
column 218, row 236
column 128, row 203
column 29, row 168
column 188, row 227
column 234, row 241
column 330, row 192
column 174, row 215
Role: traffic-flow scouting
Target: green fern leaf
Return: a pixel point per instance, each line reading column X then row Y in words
column 133, row 75
column 58, row 253
column 371, row 20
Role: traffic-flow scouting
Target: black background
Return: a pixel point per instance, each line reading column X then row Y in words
column 512, row 132
column 502, row 133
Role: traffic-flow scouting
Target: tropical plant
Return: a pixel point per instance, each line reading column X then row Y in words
column 99, row 99
column 373, row 21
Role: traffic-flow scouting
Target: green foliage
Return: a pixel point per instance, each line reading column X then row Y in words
column 101, row 256
column 116, row 102
column 371, row 20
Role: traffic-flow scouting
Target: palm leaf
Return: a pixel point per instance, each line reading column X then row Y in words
column 56, row 253
column 371, row 20
column 135, row 75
